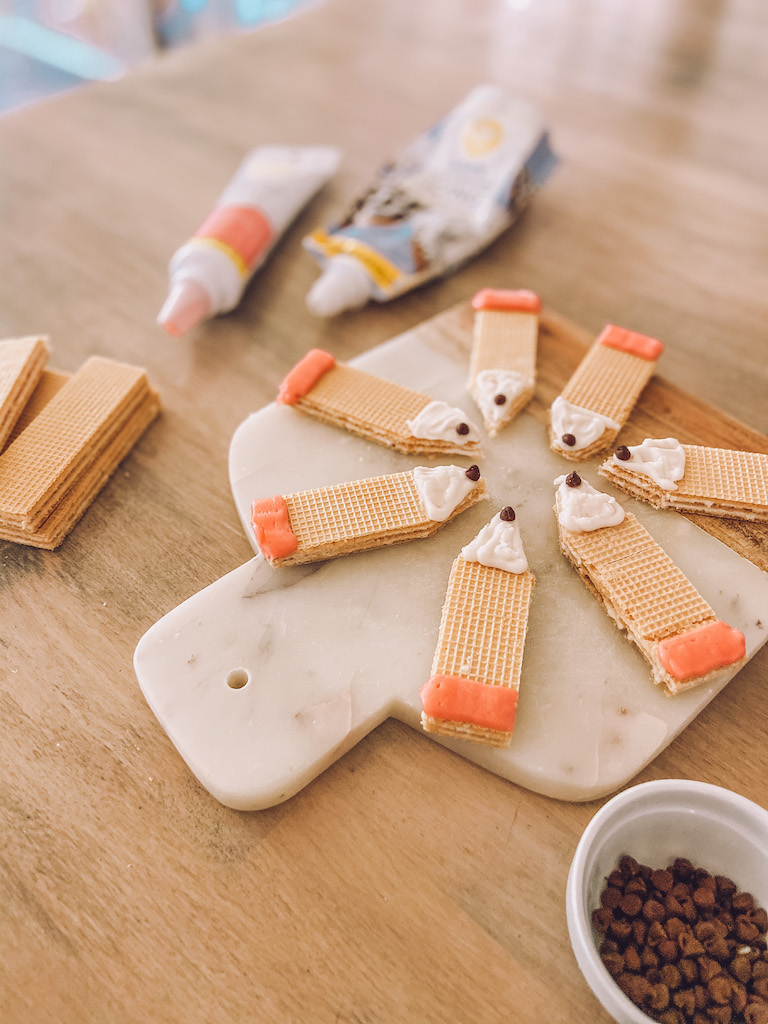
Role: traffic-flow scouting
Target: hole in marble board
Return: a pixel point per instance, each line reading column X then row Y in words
column 237, row 678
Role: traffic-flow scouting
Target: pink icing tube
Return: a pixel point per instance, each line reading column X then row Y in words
column 210, row 272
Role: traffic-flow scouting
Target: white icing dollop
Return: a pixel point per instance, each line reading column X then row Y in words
column 662, row 459
column 584, row 424
column 582, row 509
column 498, row 545
column 441, row 489
column 438, row 421
column 489, row 383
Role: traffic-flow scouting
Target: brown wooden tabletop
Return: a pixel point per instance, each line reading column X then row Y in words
column 405, row 883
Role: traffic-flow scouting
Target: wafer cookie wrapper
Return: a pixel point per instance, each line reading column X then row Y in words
column 692, row 478
column 376, row 409
column 473, row 689
column 502, row 368
column 309, row 526
column 596, row 402
column 641, row 588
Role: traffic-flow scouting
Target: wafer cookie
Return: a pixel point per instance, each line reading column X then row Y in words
column 642, row 589
column 473, row 690
column 692, row 478
column 50, row 383
column 597, row 400
column 22, row 361
column 308, row 526
column 38, row 467
column 65, row 439
column 82, row 491
column 376, row 409
column 502, row 366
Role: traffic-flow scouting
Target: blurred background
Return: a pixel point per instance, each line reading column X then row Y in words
column 50, row 46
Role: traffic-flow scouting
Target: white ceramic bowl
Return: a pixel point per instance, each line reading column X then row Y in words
column 656, row 822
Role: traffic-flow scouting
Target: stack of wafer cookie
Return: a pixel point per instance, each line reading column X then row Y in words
column 693, row 478
column 309, row 526
column 502, row 367
column 597, row 400
column 472, row 693
column 70, row 438
column 378, row 410
column 642, row 589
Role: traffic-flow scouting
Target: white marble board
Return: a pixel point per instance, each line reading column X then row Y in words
column 332, row 650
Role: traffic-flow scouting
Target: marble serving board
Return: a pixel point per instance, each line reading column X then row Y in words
column 268, row 676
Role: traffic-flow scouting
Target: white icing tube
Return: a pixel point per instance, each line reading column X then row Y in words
column 584, row 425
column 209, row 273
column 441, row 489
column 439, row 421
column 662, row 459
column 443, row 199
column 498, row 545
column 581, row 508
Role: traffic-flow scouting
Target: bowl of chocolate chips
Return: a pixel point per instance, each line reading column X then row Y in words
column 666, row 905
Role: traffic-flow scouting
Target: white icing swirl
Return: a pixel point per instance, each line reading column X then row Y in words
column 586, row 426
column 662, row 459
column 582, row 509
column 438, row 421
column 489, row 383
column 441, row 489
column 498, row 545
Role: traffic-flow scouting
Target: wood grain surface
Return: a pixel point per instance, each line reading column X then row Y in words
column 404, row 884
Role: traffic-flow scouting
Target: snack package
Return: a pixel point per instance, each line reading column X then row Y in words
column 442, row 200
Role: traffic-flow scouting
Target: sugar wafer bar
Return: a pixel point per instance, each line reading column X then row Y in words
column 502, row 368
column 473, row 690
column 85, row 413
column 83, row 489
column 308, row 526
column 376, row 409
column 22, row 361
column 49, row 384
column 642, row 589
column 692, row 478
column 597, row 400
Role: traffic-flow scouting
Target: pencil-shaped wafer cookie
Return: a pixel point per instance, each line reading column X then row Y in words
column 377, row 409
column 595, row 403
column 692, row 478
column 642, row 589
column 475, row 680
column 308, row 526
column 22, row 361
column 502, row 367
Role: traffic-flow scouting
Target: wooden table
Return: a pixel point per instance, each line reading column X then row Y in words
column 404, row 884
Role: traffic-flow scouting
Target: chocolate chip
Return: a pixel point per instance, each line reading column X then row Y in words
column 568, row 439
column 473, row 473
column 507, row 514
column 500, row 399
column 463, row 428
column 623, row 453
column 573, row 480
